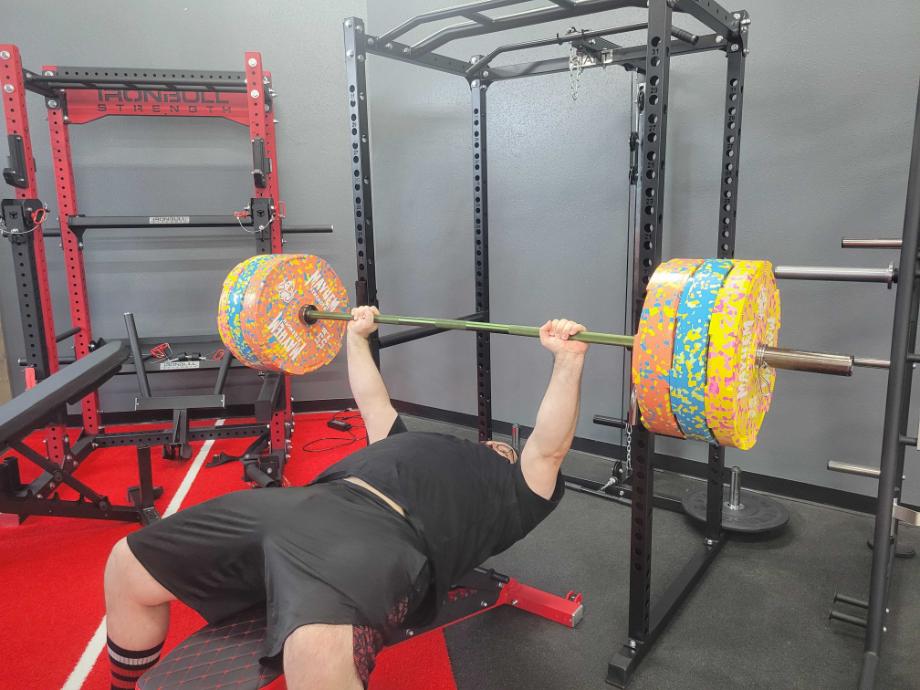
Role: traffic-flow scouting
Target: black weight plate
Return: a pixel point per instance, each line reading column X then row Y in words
column 758, row 513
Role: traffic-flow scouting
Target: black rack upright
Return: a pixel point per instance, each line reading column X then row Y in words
column 651, row 62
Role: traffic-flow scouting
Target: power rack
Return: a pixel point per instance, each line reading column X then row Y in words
column 78, row 95
column 650, row 62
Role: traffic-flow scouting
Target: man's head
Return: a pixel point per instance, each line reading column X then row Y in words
column 503, row 449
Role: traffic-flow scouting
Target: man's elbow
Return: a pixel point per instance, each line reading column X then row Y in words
column 558, row 457
column 552, row 457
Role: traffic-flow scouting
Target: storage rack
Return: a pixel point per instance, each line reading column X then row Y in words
column 651, row 63
column 78, row 95
column 895, row 437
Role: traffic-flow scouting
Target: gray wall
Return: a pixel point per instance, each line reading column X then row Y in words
column 826, row 136
column 825, row 152
column 132, row 166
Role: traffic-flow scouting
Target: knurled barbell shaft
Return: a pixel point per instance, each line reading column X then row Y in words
column 777, row 357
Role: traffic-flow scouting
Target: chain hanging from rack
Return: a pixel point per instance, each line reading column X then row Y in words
column 628, row 449
column 577, row 57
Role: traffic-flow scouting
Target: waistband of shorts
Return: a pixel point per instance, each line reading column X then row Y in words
column 360, row 493
column 364, row 494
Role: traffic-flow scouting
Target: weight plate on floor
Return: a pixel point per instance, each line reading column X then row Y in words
column 757, row 514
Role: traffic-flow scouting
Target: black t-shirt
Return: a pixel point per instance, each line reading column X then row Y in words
column 466, row 501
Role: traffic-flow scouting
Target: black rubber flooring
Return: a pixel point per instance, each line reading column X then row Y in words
column 758, row 619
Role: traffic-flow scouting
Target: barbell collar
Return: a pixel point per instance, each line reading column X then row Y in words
column 776, row 357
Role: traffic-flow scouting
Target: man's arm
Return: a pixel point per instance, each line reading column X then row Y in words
column 367, row 385
column 558, row 415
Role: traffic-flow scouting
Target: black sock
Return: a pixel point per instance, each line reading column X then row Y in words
column 129, row 665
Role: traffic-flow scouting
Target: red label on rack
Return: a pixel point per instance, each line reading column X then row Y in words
column 92, row 104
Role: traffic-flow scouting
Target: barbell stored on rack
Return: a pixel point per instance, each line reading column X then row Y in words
column 703, row 357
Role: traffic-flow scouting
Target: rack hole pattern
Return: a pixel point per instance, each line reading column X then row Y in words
column 67, row 206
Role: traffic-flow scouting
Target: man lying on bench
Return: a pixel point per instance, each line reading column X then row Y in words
column 372, row 545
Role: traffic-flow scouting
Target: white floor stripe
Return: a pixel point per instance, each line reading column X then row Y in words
column 97, row 642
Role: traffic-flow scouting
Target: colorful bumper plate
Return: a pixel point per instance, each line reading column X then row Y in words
column 691, row 348
column 654, row 345
column 271, row 323
column 231, row 307
column 739, row 387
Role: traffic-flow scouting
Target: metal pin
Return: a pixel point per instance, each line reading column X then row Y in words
column 349, row 53
column 252, row 62
column 4, row 55
column 849, row 468
column 254, row 93
column 9, row 88
column 879, row 243
column 735, row 490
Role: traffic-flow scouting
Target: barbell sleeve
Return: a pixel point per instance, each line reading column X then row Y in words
column 801, row 360
column 871, row 363
column 776, row 357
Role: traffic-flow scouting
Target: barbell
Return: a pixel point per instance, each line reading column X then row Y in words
column 703, row 357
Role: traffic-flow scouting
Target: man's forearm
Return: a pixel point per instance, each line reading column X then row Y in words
column 558, row 414
column 366, row 383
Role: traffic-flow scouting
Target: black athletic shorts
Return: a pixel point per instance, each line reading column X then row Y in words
column 330, row 553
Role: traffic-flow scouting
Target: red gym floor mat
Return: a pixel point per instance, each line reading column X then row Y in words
column 52, row 570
